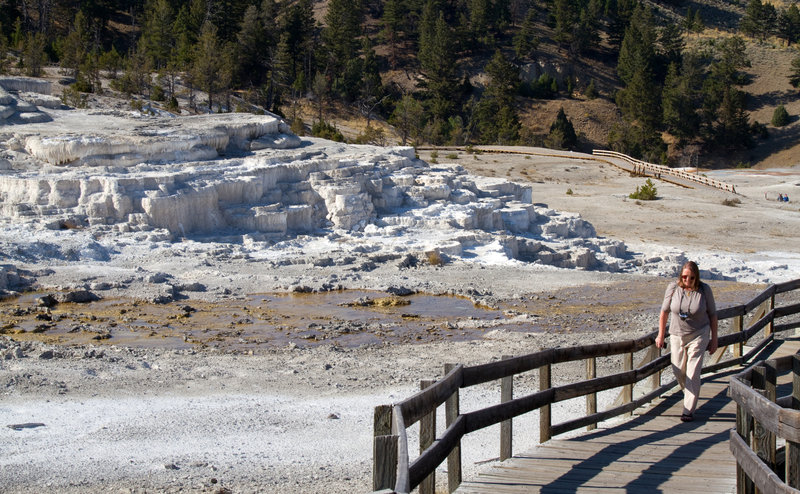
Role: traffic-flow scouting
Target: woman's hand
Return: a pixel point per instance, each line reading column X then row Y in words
column 712, row 345
column 660, row 341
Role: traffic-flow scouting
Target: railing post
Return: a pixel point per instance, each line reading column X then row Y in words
column 384, row 450
column 792, row 448
column 591, row 398
column 427, row 434
column 744, row 427
column 454, row 458
column 738, row 326
column 769, row 329
column 655, row 379
column 627, row 390
column 545, row 423
column 764, row 378
column 506, row 426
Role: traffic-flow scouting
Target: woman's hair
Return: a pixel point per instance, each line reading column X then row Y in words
column 695, row 284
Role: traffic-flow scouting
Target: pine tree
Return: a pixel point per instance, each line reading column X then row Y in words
column 789, row 24
column 495, row 119
column 679, row 106
column 157, row 39
column 562, row 133
column 211, row 70
column 254, row 49
column 33, row 54
column 794, row 74
column 371, row 85
column 526, row 41
column 75, row 46
column 437, row 62
column 733, row 127
column 780, row 116
column 639, row 100
column 407, row 117
column 393, row 21
column 759, row 19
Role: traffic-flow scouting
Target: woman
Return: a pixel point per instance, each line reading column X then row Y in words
column 692, row 330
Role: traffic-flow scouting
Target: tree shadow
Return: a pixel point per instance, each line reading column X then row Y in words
column 771, row 99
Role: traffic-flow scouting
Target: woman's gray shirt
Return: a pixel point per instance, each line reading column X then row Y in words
column 698, row 307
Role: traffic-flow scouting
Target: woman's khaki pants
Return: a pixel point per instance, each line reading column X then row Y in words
column 687, row 362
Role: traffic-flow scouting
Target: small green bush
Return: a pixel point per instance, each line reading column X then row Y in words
column 158, row 94
column 569, row 192
column 646, row 192
column 732, row 202
column 452, row 156
column 326, row 131
column 780, row 116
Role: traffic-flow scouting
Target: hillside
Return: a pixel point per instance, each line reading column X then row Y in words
column 311, row 80
column 770, row 63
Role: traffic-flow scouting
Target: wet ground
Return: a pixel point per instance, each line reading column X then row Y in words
column 347, row 318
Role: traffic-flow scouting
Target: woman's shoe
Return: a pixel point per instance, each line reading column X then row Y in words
column 687, row 417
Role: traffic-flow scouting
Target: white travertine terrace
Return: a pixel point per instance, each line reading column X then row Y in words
column 228, row 174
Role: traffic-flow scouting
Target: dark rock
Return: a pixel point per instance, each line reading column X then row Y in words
column 78, row 297
column 47, row 301
column 27, row 425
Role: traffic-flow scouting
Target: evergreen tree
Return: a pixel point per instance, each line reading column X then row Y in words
column 733, row 127
column 393, row 22
column 254, row 49
column 759, row 19
column 672, row 44
column 562, row 133
column 157, row 40
column 75, row 45
column 437, row 62
column 297, row 24
column 342, row 32
column 407, row 117
column 794, row 74
column 637, row 52
column 495, row 119
column 211, row 70
column 780, row 116
column 371, row 85
column 639, row 100
column 789, row 24
column 33, row 54
column 525, row 40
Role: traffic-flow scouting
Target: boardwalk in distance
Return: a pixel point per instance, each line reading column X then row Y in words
column 652, row 453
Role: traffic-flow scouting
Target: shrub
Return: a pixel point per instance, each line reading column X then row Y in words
column 646, row 192
column 74, row 98
column 591, row 90
column 780, row 116
column 569, row 192
column 298, row 126
column 371, row 135
column 732, row 202
column 326, row 131
column 452, row 156
column 434, row 258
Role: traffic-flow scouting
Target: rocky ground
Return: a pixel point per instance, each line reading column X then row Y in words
column 248, row 386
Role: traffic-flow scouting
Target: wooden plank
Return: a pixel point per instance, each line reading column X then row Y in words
column 653, row 451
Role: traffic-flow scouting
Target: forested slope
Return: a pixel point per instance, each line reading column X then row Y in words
column 676, row 82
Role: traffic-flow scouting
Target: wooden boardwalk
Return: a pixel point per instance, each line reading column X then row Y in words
column 654, row 452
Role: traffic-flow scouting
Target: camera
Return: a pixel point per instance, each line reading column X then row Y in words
column 684, row 315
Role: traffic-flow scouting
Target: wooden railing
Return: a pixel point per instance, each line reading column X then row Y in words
column 658, row 171
column 761, row 419
column 393, row 470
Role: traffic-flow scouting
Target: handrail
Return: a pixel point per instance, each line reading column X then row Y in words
column 761, row 418
column 658, row 170
column 409, row 474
